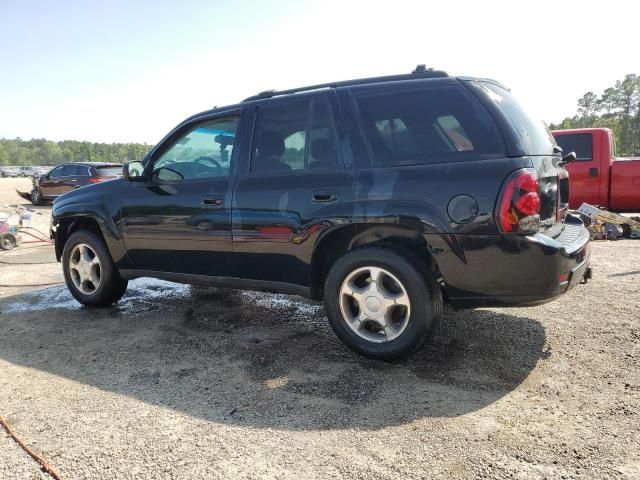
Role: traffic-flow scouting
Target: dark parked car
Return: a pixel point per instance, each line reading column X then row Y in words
column 386, row 197
column 69, row 176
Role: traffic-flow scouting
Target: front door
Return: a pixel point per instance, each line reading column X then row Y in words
column 292, row 187
column 179, row 219
column 51, row 184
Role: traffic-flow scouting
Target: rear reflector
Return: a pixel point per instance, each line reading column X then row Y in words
column 96, row 179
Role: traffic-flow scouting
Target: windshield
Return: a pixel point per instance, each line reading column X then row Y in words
column 535, row 135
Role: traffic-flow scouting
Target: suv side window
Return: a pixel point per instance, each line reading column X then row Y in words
column 203, row 152
column 56, row 172
column 280, row 137
column 68, row 170
column 75, row 171
column 428, row 125
column 296, row 135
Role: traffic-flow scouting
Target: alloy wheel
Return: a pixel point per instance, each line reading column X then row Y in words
column 375, row 305
column 85, row 269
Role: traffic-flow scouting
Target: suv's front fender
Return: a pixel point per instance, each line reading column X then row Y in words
column 68, row 216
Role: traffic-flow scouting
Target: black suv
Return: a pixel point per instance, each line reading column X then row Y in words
column 386, row 197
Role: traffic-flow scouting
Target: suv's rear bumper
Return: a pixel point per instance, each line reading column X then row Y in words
column 495, row 270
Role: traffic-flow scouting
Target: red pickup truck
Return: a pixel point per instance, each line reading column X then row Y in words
column 596, row 176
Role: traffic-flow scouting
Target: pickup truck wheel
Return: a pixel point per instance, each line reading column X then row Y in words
column 36, row 196
column 89, row 272
column 379, row 304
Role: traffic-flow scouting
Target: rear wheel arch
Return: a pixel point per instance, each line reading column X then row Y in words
column 336, row 243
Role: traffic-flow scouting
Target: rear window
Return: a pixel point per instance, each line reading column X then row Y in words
column 429, row 125
column 581, row 143
column 535, row 135
column 109, row 171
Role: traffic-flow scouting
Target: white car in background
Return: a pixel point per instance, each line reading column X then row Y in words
column 9, row 172
column 27, row 171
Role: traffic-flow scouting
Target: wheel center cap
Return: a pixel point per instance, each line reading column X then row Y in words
column 373, row 305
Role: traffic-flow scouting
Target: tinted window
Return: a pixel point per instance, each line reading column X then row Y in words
column 294, row 136
column 535, row 135
column 581, row 143
column 68, row 170
column 323, row 151
column 429, row 125
column 203, row 152
column 280, row 137
column 109, row 171
column 81, row 171
column 56, row 172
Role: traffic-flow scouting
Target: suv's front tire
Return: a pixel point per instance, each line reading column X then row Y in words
column 380, row 304
column 89, row 272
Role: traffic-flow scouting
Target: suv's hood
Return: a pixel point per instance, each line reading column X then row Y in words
column 90, row 193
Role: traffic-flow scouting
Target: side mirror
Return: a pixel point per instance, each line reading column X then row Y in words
column 568, row 158
column 133, row 171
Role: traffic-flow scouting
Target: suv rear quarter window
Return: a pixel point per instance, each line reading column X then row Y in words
column 426, row 125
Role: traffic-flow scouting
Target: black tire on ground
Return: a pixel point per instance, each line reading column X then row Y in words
column 419, row 281
column 7, row 241
column 36, row 196
column 111, row 286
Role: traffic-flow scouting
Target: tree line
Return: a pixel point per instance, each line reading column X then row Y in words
column 617, row 108
column 46, row 152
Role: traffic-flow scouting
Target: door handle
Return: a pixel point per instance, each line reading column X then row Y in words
column 324, row 195
column 593, row 172
column 212, row 200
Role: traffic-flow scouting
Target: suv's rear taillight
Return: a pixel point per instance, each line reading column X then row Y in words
column 96, row 179
column 519, row 204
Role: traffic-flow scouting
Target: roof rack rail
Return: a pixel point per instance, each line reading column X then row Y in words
column 421, row 71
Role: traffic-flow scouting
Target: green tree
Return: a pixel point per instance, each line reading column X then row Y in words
column 618, row 108
column 587, row 106
column 45, row 152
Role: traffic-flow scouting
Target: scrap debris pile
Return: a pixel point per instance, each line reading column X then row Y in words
column 605, row 225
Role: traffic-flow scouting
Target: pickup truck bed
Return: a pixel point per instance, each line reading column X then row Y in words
column 625, row 176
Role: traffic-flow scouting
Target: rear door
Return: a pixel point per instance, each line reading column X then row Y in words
column 73, row 176
column 292, row 186
column 585, row 171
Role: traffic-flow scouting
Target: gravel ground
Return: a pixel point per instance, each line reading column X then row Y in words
column 179, row 382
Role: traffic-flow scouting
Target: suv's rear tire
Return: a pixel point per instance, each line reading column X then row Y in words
column 89, row 272
column 387, row 321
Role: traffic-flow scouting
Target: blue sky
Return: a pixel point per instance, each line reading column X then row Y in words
column 129, row 71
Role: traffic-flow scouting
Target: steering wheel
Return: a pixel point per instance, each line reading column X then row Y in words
column 204, row 169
